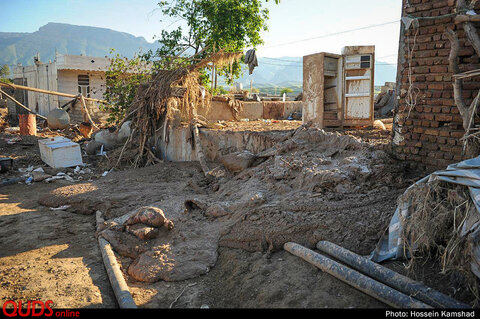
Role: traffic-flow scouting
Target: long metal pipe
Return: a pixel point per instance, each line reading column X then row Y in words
column 390, row 277
column 119, row 286
column 355, row 279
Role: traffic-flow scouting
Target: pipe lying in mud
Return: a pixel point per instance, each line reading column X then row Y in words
column 389, row 277
column 119, row 286
column 355, row 279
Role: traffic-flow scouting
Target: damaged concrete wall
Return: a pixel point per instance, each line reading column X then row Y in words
column 430, row 130
column 221, row 111
column 42, row 76
column 177, row 147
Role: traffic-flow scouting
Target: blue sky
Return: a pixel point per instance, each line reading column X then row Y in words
column 291, row 20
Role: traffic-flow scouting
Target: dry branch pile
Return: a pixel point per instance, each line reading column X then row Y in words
column 437, row 228
column 171, row 96
column 466, row 111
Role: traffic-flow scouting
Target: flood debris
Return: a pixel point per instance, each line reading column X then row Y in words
column 257, row 185
column 146, row 235
column 438, row 219
column 170, row 98
column 6, row 163
column 237, row 162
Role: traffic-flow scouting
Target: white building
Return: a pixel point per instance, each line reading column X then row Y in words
column 72, row 74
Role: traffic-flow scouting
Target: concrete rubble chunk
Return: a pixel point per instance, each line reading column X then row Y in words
column 39, row 176
column 238, row 161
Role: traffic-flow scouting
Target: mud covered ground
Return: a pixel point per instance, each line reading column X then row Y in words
column 226, row 247
column 49, row 255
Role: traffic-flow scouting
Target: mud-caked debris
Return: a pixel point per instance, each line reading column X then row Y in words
column 142, row 231
column 239, row 161
column 150, row 215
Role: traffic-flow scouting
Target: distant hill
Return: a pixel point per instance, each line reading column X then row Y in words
column 67, row 39
column 71, row 39
column 288, row 72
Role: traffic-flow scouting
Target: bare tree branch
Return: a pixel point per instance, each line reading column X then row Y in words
column 457, row 83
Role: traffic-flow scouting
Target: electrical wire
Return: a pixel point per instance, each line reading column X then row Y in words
column 332, row 34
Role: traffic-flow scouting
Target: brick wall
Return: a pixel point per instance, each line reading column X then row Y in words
column 76, row 112
column 431, row 133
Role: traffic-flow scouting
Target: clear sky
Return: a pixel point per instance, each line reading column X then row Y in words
column 290, row 21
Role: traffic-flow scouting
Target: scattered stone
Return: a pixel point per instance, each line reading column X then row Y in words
column 142, row 231
column 216, row 211
column 238, row 161
column 58, row 119
column 60, row 208
column 93, row 147
column 54, row 171
column 149, row 215
column 39, row 176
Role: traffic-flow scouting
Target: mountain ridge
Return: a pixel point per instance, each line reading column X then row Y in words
column 21, row 47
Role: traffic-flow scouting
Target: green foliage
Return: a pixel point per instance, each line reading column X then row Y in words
column 212, row 25
column 286, row 91
column 220, row 90
column 5, row 73
column 123, row 78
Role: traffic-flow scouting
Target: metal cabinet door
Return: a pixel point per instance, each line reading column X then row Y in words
column 358, row 84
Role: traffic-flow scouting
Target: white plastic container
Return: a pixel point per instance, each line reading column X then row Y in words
column 60, row 152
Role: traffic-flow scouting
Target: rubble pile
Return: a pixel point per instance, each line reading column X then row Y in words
column 313, row 185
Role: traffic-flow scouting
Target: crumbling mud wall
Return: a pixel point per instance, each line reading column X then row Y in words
column 177, row 147
column 277, row 110
column 427, row 124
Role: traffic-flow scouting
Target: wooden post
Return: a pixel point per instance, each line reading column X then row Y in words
column 27, row 88
column 86, row 112
column 23, row 106
column 198, row 145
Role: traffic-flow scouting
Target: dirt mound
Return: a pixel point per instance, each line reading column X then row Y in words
column 175, row 254
column 83, row 199
column 313, row 186
column 308, row 220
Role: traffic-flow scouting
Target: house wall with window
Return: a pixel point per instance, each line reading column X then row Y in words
column 70, row 74
column 89, row 84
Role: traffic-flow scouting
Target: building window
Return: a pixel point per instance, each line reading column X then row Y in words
column 84, row 85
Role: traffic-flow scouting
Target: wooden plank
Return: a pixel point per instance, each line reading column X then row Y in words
column 313, row 86
column 22, row 106
column 330, row 116
column 332, row 123
column 330, row 73
column 357, row 94
column 461, row 18
column 21, row 87
column 467, row 74
column 353, row 78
